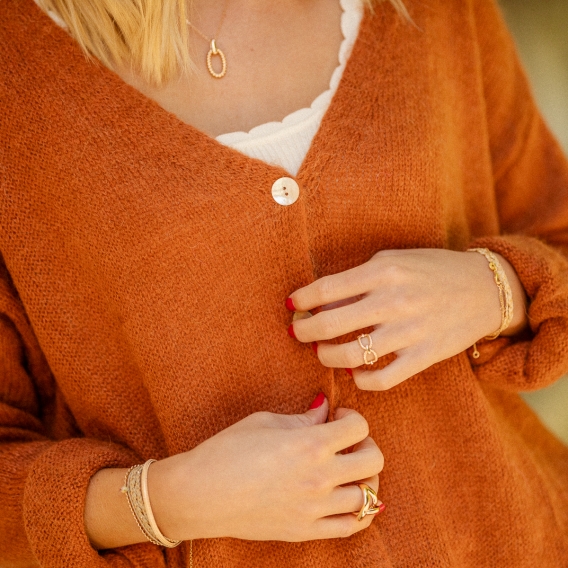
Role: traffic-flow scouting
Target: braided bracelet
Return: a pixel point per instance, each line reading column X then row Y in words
column 136, row 489
column 505, row 294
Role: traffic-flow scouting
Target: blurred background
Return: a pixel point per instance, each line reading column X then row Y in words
column 540, row 28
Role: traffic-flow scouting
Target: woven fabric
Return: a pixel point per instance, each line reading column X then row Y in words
column 144, row 268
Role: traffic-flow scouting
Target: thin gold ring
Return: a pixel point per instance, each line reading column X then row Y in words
column 369, row 355
column 370, row 501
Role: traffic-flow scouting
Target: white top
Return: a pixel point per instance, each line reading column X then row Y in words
column 286, row 143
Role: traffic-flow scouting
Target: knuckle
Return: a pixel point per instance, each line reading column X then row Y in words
column 360, row 426
column 302, row 420
column 311, row 448
column 400, row 301
column 378, row 460
column 316, row 484
column 394, row 272
column 325, row 289
column 299, row 448
column 261, row 418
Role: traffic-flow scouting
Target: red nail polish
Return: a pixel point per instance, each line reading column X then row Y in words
column 290, row 304
column 382, row 507
column 315, row 347
column 291, row 331
column 318, row 401
column 349, row 372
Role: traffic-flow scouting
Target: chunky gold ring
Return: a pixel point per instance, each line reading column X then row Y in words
column 369, row 355
column 370, row 501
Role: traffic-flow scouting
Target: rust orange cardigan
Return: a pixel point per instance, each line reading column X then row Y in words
column 144, row 268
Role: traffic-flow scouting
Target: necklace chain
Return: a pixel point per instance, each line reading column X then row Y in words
column 213, row 49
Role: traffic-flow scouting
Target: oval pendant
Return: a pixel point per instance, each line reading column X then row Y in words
column 214, row 50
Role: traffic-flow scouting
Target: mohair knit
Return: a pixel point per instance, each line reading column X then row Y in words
column 144, row 269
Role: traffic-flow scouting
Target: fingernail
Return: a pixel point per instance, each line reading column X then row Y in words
column 291, row 331
column 290, row 304
column 315, row 347
column 382, row 507
column 349, row 372
column 318, row 401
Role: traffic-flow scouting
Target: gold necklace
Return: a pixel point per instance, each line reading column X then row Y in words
column 213, row 49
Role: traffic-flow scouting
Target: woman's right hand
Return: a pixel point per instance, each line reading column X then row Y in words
column 269, row 477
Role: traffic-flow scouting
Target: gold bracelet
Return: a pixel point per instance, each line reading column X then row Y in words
column 164, row 541
column 131, row 488
column 134, row 487
column 505, row 294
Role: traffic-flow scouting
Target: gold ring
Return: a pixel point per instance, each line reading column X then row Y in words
column 370, row 501
column 369, row 355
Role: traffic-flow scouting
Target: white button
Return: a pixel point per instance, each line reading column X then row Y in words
column 285, row 191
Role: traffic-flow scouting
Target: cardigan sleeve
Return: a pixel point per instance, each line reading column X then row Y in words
column 531, row 193
column 44, row 472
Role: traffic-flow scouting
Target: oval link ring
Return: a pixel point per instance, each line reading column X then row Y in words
column 370, row 501
column 369, row 356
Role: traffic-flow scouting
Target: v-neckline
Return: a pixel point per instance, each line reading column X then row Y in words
column 185, row 129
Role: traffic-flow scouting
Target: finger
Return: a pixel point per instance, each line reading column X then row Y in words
column 349, row 498
column 385, row 339
column 340, row 526
column 366, row 460
column 339, row 321
column 348, row 428
column 407, row 364
column 335, row 287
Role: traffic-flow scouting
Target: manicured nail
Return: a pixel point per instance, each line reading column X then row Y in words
column 318, row 401
column 382, row 507
column 315, row 347
column 290, row 304
column 291, row 331
column 349, row 372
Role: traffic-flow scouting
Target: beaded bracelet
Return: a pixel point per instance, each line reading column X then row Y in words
column 505, row 294
column 136, row 489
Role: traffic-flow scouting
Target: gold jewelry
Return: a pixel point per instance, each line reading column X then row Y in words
column 369, row 355
column 164, row 541
column 505, row 294
column 370, row 501
column 213, row 49
column 136, row 489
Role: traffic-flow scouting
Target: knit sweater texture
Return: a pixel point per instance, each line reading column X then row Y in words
column 144, row 268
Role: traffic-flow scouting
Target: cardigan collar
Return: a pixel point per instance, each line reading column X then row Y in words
column 102, row 87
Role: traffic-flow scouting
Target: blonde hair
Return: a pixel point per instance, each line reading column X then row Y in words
column 150, row 35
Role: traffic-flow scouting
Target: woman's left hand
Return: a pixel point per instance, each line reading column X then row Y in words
column 425, row 305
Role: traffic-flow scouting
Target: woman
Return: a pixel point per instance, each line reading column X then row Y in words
column 149, row 258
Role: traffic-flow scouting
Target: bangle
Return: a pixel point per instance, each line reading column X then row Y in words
column 165, row 541
column 505, row 294
column 136, row 489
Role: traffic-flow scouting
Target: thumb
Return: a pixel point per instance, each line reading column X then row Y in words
column 316, row 414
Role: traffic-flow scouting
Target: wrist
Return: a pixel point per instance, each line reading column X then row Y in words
column 487, row 297
column 493, row 318
column 520, row 299
column 109, row 523
column 171, row 502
